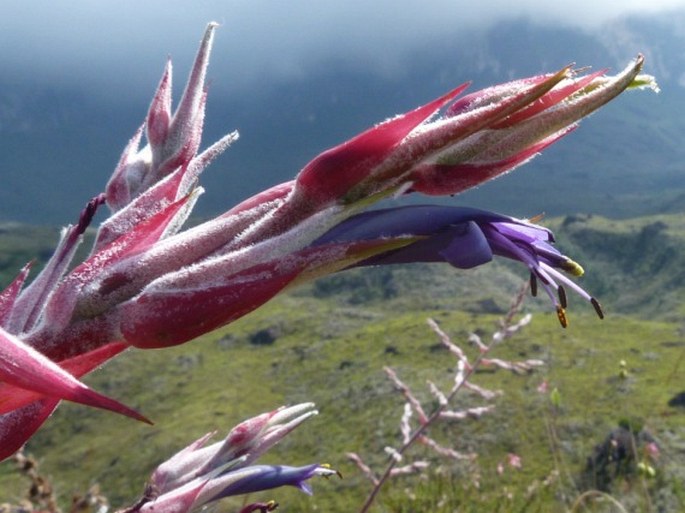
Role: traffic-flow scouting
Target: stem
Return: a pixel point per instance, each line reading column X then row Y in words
column 506, row 321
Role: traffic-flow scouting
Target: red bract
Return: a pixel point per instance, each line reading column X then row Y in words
column 182, row 309
column 321, row 182
column 9, row 295
column 15, row 397
column 23, row 367
column 148, row 284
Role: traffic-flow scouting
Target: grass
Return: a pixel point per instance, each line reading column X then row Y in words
column 333, row 356
column 329, row 342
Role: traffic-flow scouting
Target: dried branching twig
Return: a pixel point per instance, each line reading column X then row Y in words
column 464, row 371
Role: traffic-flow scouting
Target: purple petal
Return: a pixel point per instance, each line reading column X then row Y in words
column 263, row 477
column 464, row 238
column 414, row 220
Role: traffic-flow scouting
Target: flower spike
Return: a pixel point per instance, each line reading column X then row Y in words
column 465, row 238
column 199, row 475
column 244, row 444
column 149, row 284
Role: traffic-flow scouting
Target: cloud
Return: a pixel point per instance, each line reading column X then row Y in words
column 123, row 45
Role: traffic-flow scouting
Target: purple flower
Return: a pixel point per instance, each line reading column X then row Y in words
column 465, row 238
column 198, row 475
column 147, row 283
column 202, row 491
column 244, row 444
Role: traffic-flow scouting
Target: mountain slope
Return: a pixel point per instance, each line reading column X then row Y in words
column 58, row 147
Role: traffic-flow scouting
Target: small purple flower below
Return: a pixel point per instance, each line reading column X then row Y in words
column 199, row 475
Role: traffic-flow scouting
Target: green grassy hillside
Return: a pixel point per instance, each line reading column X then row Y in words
column 328, row 343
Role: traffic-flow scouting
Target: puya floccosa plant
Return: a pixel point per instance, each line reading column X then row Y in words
column 149, row 283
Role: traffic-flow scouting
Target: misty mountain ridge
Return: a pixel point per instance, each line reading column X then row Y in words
column 59, row 146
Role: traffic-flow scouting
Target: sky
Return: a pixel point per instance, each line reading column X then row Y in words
column 97, row 62
column 124, row 44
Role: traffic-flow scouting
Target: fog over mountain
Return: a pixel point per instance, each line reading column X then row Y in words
column 296, row 81
column 124, row 43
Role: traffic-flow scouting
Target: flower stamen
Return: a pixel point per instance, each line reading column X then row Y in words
column 533, row 285
column 562, row 296
column 561, row 315
column 580, row 291
column 597, row 307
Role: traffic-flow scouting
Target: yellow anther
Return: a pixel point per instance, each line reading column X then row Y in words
column 561, row 315
column 328, row 466
column 573, row 268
